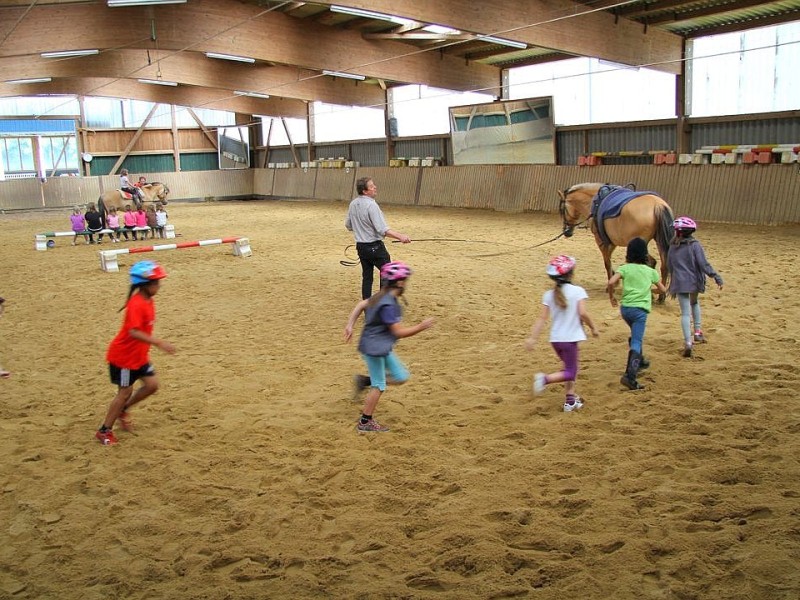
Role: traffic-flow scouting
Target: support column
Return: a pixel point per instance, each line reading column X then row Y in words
column 311, row 133
column 389, row 125
column 176, row 143
column 683, row 87
column 86, row 167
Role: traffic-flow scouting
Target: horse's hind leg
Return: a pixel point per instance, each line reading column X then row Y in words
column 606, row 251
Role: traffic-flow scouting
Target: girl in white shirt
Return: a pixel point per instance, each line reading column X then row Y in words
column 565, row 305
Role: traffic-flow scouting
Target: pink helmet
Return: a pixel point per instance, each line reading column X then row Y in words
column 395, row 271
column 560, row 265
column 682, row 223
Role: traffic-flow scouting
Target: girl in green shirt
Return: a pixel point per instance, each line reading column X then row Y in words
column 638, row 278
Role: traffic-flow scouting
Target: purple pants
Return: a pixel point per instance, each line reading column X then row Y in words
column 568, row 353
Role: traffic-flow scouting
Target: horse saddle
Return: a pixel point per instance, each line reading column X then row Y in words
column 126, row 195
column 608, row 204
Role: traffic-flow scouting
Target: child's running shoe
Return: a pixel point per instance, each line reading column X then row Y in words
column 125, row 421
column 699, row 337
column 106, row 438
column 371, row 425
column 538, row 383
column 576, row 404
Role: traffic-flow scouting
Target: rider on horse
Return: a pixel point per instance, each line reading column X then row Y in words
column 126, row 186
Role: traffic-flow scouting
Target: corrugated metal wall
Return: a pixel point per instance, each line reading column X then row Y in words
column 370, row 154
column 757, row 194
column 196, row 161
column 761, row 131
column 341, row 150
column 420, row 148
column 284, row 155
column 574, row 142
column 569, row 146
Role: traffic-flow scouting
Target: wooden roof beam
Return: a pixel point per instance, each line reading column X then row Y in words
column 193, row 97
column 560, row 25
column 193, row 68
column 231, row 27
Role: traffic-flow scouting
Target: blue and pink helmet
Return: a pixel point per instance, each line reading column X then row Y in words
column 684, row 224
column 395, row 271
column 561, row 266
column 146, row 271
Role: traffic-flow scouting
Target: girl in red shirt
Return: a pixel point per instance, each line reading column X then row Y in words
column 128, row 354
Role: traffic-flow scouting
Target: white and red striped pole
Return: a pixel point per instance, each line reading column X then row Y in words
column 108, row 258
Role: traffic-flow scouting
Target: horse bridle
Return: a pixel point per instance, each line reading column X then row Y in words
column 568, row 228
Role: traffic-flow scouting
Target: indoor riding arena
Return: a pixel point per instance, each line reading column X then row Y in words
column 245, row 476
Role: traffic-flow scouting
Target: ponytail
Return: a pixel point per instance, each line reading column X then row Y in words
column 558, row 293
column 134, row 288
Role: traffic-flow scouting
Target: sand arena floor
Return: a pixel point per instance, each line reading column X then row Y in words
column 246, row 478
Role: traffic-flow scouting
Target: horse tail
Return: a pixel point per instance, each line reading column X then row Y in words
column 664, row 230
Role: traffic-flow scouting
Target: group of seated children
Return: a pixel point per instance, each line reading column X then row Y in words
column 137, row 223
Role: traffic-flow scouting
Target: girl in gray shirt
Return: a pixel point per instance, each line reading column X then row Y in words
column 688, row 269
column 382, row 329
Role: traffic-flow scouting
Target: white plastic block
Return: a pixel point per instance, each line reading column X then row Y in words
column 241, row 247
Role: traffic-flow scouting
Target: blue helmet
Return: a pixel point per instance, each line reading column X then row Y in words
column 145, row 271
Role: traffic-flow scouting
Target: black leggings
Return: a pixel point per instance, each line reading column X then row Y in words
column 373, row 255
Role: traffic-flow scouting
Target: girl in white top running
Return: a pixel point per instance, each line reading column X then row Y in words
column 565, row 305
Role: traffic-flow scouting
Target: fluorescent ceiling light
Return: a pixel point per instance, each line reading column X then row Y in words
column 368, row 14
column 244, row 59
column 441, row 29
column 502, row 41
column 251, row 94
column 158, row 82
column 69, row 53
column 143, row 2
column 345, row 75
column 32, row 80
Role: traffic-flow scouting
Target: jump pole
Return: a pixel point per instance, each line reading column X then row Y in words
column 108, row 258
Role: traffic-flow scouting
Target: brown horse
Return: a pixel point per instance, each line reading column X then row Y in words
column 647, row 216
column 152, row 192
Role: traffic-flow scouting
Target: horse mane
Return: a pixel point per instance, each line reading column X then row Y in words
column 580, row 187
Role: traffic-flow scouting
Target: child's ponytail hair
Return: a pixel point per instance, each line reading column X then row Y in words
column 134, row 288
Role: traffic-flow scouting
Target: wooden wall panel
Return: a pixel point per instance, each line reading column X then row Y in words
column 294, row 183
column 263, row 182
column 395, row 185
column 335, row 184
column 111, row 141
column 755, row 194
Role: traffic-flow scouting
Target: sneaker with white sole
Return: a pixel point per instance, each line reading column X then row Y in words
column 539, row 383
column 107, row 438
column 371, row 425
column 577, row 404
